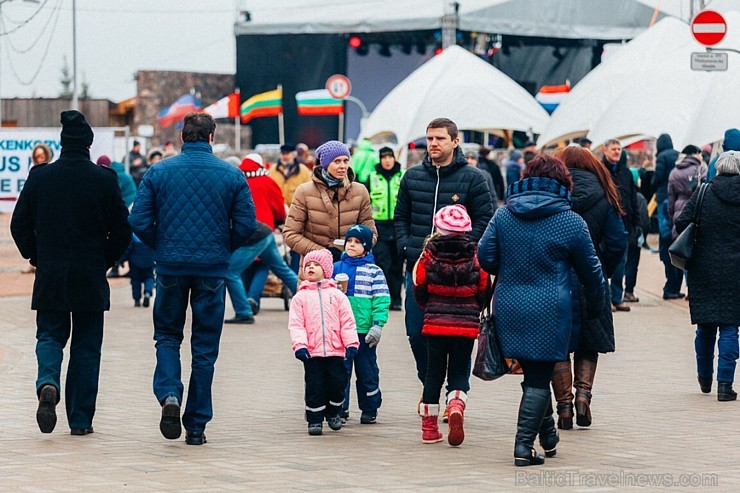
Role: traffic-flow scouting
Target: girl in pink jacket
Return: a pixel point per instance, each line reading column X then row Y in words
column 322, row 330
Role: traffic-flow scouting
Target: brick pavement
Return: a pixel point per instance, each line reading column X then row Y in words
column 649, row 418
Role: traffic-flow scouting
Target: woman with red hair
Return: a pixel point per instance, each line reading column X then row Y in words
column 531, row 246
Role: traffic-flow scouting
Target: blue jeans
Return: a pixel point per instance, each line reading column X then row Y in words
column 615, row 282
column 727, row 346
column 81, row 388
column 368, row 378
column 207, row 297
column 139, row 276
column 255, row 279
column 673, row 275
column 242, row 258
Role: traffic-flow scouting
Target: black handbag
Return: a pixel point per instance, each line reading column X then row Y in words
column 682, row 247
column 490, row 363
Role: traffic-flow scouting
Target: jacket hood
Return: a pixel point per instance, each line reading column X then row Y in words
column 365, row 145
column 452, row 248
column 664, row 143
column 727, row 188
column 688, row 161
column 356, row 261
column 458, row 161
column 314, row 286
column 732, row 140
column 587, row 190
column 534, row 198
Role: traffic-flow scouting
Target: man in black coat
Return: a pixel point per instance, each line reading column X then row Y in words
column 71, row 222
column 625, row 184
column 443, row 178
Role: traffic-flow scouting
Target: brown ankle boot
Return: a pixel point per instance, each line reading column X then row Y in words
column 585, row 372
column 562, row 386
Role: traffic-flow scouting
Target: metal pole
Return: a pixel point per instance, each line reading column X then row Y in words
column 340, row 132
column 237, row 125
column 75, row 101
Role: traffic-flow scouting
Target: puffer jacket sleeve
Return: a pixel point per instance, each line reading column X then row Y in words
column 143, row 215
column 347, row 326
column 481, row 206
column 419, row 276
column 295, row 224
column 402, row 216
column 488, row 248
column 588, row 269
column 297, row 323
column 480, row 295
column 243, row 220
column 614, row 242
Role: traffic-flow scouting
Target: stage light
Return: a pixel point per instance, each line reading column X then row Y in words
column 406, row 48
column 363, row 49
column 438, row 51
column 421, row 48
column 355, row 41
column 384, row 50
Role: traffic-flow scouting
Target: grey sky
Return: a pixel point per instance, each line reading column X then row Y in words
column 114, row 39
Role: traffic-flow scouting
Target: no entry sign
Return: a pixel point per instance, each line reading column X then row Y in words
column 709, row 27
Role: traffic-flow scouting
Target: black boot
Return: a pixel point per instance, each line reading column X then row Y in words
column 705, row 384
column 725, row 392
column 548, row 434
column 531, row 411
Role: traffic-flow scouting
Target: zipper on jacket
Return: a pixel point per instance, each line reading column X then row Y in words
column 436, row 191
column 323, row 331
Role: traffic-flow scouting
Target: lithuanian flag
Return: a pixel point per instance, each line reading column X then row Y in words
column 318, row 103
column 268, row 103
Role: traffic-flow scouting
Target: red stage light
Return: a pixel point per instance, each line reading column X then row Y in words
column 438, row 51
column 355, row 41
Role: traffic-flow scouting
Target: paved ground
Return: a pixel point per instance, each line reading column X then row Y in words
column 652, row 427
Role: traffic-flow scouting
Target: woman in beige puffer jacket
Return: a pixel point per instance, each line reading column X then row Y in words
column 326, row 207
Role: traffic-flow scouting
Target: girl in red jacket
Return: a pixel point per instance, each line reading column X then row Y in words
column 322, row 330
column 450, row 286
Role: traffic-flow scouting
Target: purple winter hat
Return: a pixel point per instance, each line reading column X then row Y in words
column 329, row 151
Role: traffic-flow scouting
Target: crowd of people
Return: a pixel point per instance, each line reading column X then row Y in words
column 351, row 221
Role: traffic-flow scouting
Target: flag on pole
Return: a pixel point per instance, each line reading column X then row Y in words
column 550, row 97
column 177, row 110
column 318, row 103
column 226, row 107
column 268, row 103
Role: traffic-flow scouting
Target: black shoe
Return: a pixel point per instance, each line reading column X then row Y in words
column 315, row 429
column 335, row 422
column 195, row 437
column 253, row 304
column 396, row 307
column 81, row 431
column 46, row 414
column 725, row 392
column 170, row 425
column 630, row 298
column 673, row 296
column 137, row 303
column 248, row 320
column 368, row 418
column 146, row 300
column 344, row 415
column 705, row 384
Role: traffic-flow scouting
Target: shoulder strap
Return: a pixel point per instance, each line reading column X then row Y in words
column 699, row 202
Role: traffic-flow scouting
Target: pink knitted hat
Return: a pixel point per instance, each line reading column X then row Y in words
column 323, row 258
column 452, row 219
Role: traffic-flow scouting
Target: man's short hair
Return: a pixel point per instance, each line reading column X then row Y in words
column 444, row 123
column 612, row 141
column 197, row 127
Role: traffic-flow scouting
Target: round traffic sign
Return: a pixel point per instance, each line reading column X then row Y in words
column 709, row 27
column 338, row 86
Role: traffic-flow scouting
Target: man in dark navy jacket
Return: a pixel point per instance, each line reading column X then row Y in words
column 193, row 210
column 70, row 221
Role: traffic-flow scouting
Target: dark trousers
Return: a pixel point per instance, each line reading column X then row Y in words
column 448, row 357
column 368, row 378
column 537, row 374
column 391, row 263
column 81, row 388
column 326, row 380
column 295, row 261
column 414, row 318
column 206, row 296
column 673, row 275
column 630, row 268
column 139, row 276
column 727, row 349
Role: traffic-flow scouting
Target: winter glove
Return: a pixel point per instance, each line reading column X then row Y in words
column 302, row 354
column 351, row 353
column 336, row 253
column 373, row 336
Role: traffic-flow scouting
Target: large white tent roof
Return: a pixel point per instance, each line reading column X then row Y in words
column 573, row 19
column 457, row 85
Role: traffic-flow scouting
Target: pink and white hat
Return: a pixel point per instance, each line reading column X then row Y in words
column 452, row 219
column 323, row 258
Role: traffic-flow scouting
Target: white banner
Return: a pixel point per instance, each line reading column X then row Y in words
column 16, row 147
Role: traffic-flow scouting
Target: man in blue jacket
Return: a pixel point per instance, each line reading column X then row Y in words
column 193, row 210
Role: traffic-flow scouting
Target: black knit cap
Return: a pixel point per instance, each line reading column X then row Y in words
column 76, row 132
column 386, row 151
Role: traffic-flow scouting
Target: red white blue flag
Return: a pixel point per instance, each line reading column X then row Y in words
column 176, row 111
column 550, row 97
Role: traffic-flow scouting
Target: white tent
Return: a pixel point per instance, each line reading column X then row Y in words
column 589, row 99
column 693, row 107
column 457, row 85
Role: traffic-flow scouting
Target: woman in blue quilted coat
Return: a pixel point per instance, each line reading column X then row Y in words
column 531, row 245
